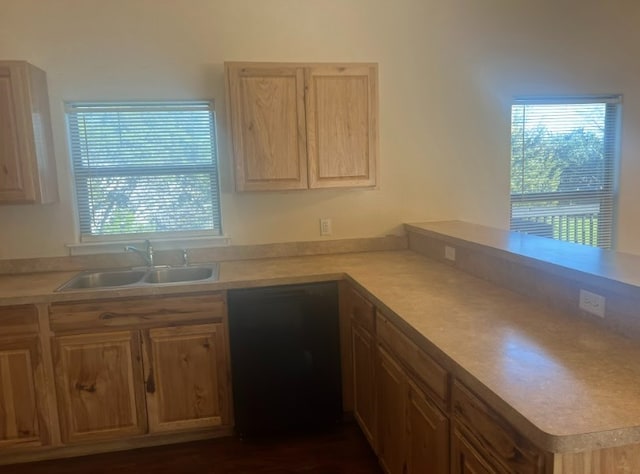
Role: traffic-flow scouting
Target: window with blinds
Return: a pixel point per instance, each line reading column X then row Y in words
column 563, row 168
column 144, row 167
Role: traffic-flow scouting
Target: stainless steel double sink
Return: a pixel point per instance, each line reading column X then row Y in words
column 97, row 279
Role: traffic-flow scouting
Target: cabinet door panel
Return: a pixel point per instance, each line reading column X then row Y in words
column 466, row 460
column 27, row 163
column 186, row 377
column 15, row 182
column 267, row 116
column 341, row 106
column 427, row 435
column 392, row 395
column 499, row 441
column 20, row 406
column 363, row 349
column 99, row 382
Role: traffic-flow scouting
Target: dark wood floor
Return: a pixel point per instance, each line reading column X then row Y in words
column 343, row 450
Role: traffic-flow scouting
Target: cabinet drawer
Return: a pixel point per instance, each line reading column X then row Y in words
column 20, row 319
column 428, row 372
column 499, row 442
column 142, row 311
column 360, row 310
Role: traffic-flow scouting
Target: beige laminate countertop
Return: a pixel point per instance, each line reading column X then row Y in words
column 564, row 383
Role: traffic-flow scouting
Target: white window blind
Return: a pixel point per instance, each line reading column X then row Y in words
column 144, row 167
column 563, row 168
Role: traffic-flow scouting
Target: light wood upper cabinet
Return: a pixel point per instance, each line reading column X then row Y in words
column 268, row 127
column 299, row 126
column 186, row 374
column 99, row 381
column 27, row 162
column 342, row 128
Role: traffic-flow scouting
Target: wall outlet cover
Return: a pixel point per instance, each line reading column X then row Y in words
column 450, row 253
column 325, row 226
column 592, row 303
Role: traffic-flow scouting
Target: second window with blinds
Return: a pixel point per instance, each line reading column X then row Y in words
column 564, row 157
column 143, row 168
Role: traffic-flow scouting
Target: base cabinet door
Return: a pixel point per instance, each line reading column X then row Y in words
column 392, row 396
column 364, row 408
column 427, row 432
column 466, row 460
column 99, row 383
column 186, row 377
column 21, row 410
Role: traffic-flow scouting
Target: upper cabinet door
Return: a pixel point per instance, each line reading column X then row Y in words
column 342, row 125
column 267, row 119
column 300, row 126
column 27, row 163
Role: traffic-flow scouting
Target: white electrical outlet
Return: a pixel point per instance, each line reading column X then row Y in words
column 325, row 226
column 592, row 303
column 450, row 253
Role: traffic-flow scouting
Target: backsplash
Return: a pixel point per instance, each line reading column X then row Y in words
column 203, row 255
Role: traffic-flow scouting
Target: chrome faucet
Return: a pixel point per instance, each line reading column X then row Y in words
column 146, row 254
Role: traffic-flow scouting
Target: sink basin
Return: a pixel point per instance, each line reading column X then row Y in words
column 103, row 279
column 182, row 274
column 140, row 277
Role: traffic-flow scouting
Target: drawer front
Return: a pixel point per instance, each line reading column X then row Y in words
column 20, row 319
column 500, row 443
column 360, row 310
column 142, row 311
column 427, row 372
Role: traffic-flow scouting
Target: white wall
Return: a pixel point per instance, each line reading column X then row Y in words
column 448, row 69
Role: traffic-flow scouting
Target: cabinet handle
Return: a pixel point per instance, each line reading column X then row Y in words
column 151, row 384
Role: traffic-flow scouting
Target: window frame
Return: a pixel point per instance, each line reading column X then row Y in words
column 80, row 179
column 608, row 195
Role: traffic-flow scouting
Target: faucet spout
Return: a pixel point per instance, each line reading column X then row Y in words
column 146, row 254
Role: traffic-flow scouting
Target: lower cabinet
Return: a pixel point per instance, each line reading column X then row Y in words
column 427, row 434
column 466, row 459
column 99, row 384
column 162, row 371
column 24, row 415
column 485, row 442
column 185, row 372
column 21, row 406
column 358, row 316
column 413, row 434
column 363, row 353
column 391, row 398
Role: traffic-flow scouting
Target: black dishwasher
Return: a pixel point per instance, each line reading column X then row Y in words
column 285, row 358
